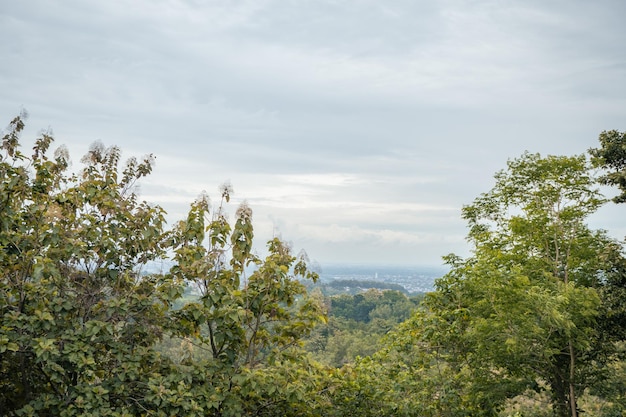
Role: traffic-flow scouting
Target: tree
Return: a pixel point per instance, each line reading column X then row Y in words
column 527, row 306
column 83, row 318
column 75, row 307
column 612, row 156
column 250, row 326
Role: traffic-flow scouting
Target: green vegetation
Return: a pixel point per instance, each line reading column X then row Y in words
column 532, row 323
column 83, row 329
column 353, row 286
column 611, row 156
column 357, row 323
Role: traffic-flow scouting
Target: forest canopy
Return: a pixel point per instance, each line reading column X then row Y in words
column 532, row 323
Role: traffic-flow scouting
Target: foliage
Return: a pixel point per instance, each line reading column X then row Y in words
column 246, row 327
column 78, row 319
column 612, row 156
column 534, row 302
column 356, row 324
column 82, row 323
column 407, row 377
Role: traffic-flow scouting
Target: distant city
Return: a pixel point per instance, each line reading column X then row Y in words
column 414, row 279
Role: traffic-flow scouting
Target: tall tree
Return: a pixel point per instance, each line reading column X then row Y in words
column 526, row 306
column 78, row 315
column 250, row 326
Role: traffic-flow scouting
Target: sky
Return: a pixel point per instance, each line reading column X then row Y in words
column 354, row 129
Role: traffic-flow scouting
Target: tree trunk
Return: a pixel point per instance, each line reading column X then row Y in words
column 559, row 401
column 572, row 392
column 562, row 384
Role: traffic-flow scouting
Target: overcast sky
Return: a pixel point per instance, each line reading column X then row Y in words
column 354, row 129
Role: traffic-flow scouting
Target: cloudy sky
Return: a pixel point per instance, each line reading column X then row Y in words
column 355, row 129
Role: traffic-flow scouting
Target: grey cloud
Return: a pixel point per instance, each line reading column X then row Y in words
column 418, row 102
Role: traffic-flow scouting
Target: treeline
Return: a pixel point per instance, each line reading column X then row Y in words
column 355, row 286
column 532, row 323
column 357, row 323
